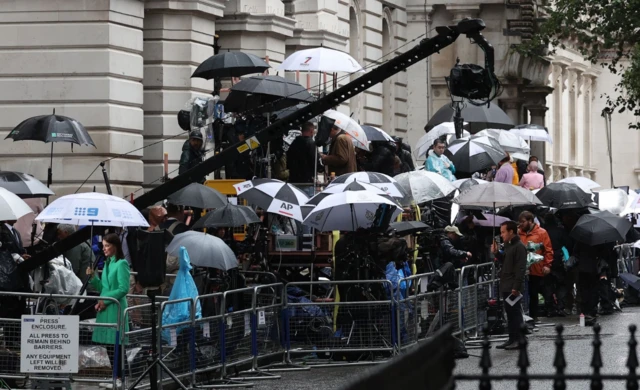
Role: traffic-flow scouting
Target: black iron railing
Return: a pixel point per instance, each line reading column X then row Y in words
column 560, row 377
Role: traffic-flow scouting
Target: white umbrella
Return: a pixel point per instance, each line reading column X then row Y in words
column 533, row 133
column 424, row 186
column 633, row 205
column 321, row 59
column 273, row 195
column 204, row 250
column 348, row 211
column 510, row 142
column 350, row 126
column 443, row 129
column 387, row 184
column 11, row 206
column 613, row 200
column 92, row 208
column 494, row 194
column 587, row 185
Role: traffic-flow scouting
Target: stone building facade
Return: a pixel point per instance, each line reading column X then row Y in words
column 123, row 67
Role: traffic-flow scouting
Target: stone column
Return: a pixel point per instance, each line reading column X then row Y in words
column 258, row 27
column 587, row 99
column 464, row 49
column 573, row 86
column 83, row 59
column 535, row 102
column 419, row 94
column 513, row 108
column 178, row 36
column 558, row 88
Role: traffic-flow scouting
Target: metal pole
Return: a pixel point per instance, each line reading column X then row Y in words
column 606, row 113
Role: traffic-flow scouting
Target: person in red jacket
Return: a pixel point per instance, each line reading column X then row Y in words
column 535, row 238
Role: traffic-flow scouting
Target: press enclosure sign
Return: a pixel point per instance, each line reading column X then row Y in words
column 49, row 344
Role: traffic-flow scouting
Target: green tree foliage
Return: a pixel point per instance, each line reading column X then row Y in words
column 606, row 32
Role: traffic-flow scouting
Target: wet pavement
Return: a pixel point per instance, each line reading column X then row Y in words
column 578, row 353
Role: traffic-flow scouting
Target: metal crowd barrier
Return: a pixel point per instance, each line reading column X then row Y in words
column 94, row 364
column 245, row 328
column 324, row 329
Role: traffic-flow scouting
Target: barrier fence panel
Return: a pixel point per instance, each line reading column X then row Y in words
column 176, row 340
column 485, row 290
column 267, row 324
column 236, row 327
column 468, row 300
column 411, row 307
column 208, row 339
column 363, row 324
column 137, row 349
column 94, row 364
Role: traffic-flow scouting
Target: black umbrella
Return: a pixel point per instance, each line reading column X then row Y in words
column 477, row 117
column 51, row 128
column 601, row 228
column 265, row 94
column 23, row 185
column 230, row 64
column 199, row 196
column 228, row 216
column 475, row 153
column 408, row 227
column 564, row 196
column 290, row 110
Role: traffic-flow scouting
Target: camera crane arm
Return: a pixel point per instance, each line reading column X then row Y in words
column 446, row 35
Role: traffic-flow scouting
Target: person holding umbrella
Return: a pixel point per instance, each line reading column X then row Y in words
column 342, row 155
column 537, row 240
column 504, row 174
column 439, row 163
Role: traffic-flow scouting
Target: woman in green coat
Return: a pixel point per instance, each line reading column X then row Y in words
column 114, row 283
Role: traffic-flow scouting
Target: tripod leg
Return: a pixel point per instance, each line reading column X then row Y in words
column 171, row 374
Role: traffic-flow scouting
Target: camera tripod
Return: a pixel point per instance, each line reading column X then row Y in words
column 155, row 360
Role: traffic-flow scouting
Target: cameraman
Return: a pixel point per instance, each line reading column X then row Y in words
column 448, row 251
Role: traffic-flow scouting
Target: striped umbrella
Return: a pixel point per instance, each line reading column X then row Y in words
column 273, row 195
column 386, row 183
column 475, row 153
column 342, row 187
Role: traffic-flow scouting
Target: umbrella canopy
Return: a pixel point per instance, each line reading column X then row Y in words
column 586, row 184
column 424, row 186
column 514, row 144
column 486, row 220
column 204, row 250
column 290, row 110
column 387, row 184
column 51, row 128
column 446, row 129
column 465, row 184
column 350, row 126
column 533, row 133
column 478, row 117
column 229, row 215
column 348, row 211
column 265, row 94
column 408, row 227
column 273, row 195
column 563, row 196
column 633, row 205
column 600, row 228
column 342, row 187
column 12, row 207
column 198, row 195
column 475, row 153
column 92, row 208
column 376, row 134
column 321, row 59
column 614, row 200
column 230, row 64
column 494, row 194
column 23, row 185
